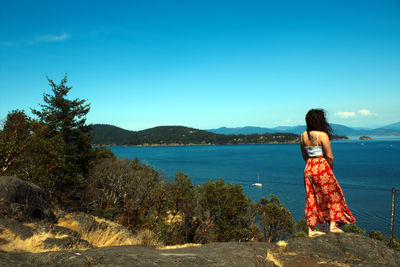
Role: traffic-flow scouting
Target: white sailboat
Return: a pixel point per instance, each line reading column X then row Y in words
column 258, row 184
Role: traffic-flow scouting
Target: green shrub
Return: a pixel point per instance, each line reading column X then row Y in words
column 277, row 221
column 353, row 228
column 300, row 229
column 385, row 239
column 224, row 212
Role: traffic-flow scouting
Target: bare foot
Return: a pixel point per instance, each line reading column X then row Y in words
column 315, row 233
column 336, row 230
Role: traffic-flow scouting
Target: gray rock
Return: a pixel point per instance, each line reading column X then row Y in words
column 329, row 250
column 335, row 250
column 23, row 201
column 215, row 254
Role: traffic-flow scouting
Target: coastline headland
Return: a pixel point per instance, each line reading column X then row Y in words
column 107, row 135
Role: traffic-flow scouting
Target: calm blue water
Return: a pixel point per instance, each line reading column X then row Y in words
column 366, row 170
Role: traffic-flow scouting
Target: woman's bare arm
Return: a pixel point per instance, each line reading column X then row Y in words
column 303, row 151
column 326, row 148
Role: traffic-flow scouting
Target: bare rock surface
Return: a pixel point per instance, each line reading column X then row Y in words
column 23, row 201
column 214, row 254
column 334, row 250
column 328, row 250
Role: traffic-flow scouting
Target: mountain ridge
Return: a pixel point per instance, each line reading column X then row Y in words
column 339, row 129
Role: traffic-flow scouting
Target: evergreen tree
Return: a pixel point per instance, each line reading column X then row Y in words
column 64, row 121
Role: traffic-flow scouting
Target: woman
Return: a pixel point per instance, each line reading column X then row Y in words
column 325, row 201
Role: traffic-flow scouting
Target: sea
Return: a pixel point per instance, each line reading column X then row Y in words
column 367, row 171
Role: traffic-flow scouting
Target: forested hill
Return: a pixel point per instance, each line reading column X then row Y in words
column 180, row 135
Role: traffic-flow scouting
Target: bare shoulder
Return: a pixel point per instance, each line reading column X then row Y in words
column 323, row 136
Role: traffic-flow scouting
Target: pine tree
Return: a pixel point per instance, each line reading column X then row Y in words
column 65, row 121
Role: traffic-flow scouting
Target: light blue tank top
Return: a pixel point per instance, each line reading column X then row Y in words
column 313, row 151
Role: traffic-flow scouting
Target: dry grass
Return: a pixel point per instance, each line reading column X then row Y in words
column 70, row 223
column 143, row 237
column 32, row 244
column 282, row 243
column 180, row 246
column 270, row 257
column 112, row 236
column 147, row 238
column 109, row 237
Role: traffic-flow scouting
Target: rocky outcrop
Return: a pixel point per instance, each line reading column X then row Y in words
column 328, row 250
column 23, row 201
column 215, row 254
column 71, row 231
column 334, row 250
column 27, row 223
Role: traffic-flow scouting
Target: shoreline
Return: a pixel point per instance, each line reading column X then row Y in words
column 210, row 144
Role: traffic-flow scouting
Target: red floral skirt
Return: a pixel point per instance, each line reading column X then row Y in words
column 325, row 200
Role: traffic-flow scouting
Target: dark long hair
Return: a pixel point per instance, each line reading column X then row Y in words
column 316, row 121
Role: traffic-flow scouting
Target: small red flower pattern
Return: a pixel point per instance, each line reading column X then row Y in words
column 325, row 201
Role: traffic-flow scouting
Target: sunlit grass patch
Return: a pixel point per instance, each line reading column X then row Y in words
column 34, row 244
column 180, row 246
column 103, row 233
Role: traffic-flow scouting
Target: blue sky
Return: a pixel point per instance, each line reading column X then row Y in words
column 206, row 64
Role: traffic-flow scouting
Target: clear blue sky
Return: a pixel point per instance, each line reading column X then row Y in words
column 206, row 63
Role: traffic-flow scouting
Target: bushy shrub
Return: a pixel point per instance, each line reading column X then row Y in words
column 276, row 220
column 213, row 211
column 183, row 210
column 130, row 189
column 353, row 228
column 300, row 229
column 224, row 210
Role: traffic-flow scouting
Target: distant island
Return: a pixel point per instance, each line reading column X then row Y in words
column 387, row 130
column 110, row 135
column 366, row 138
